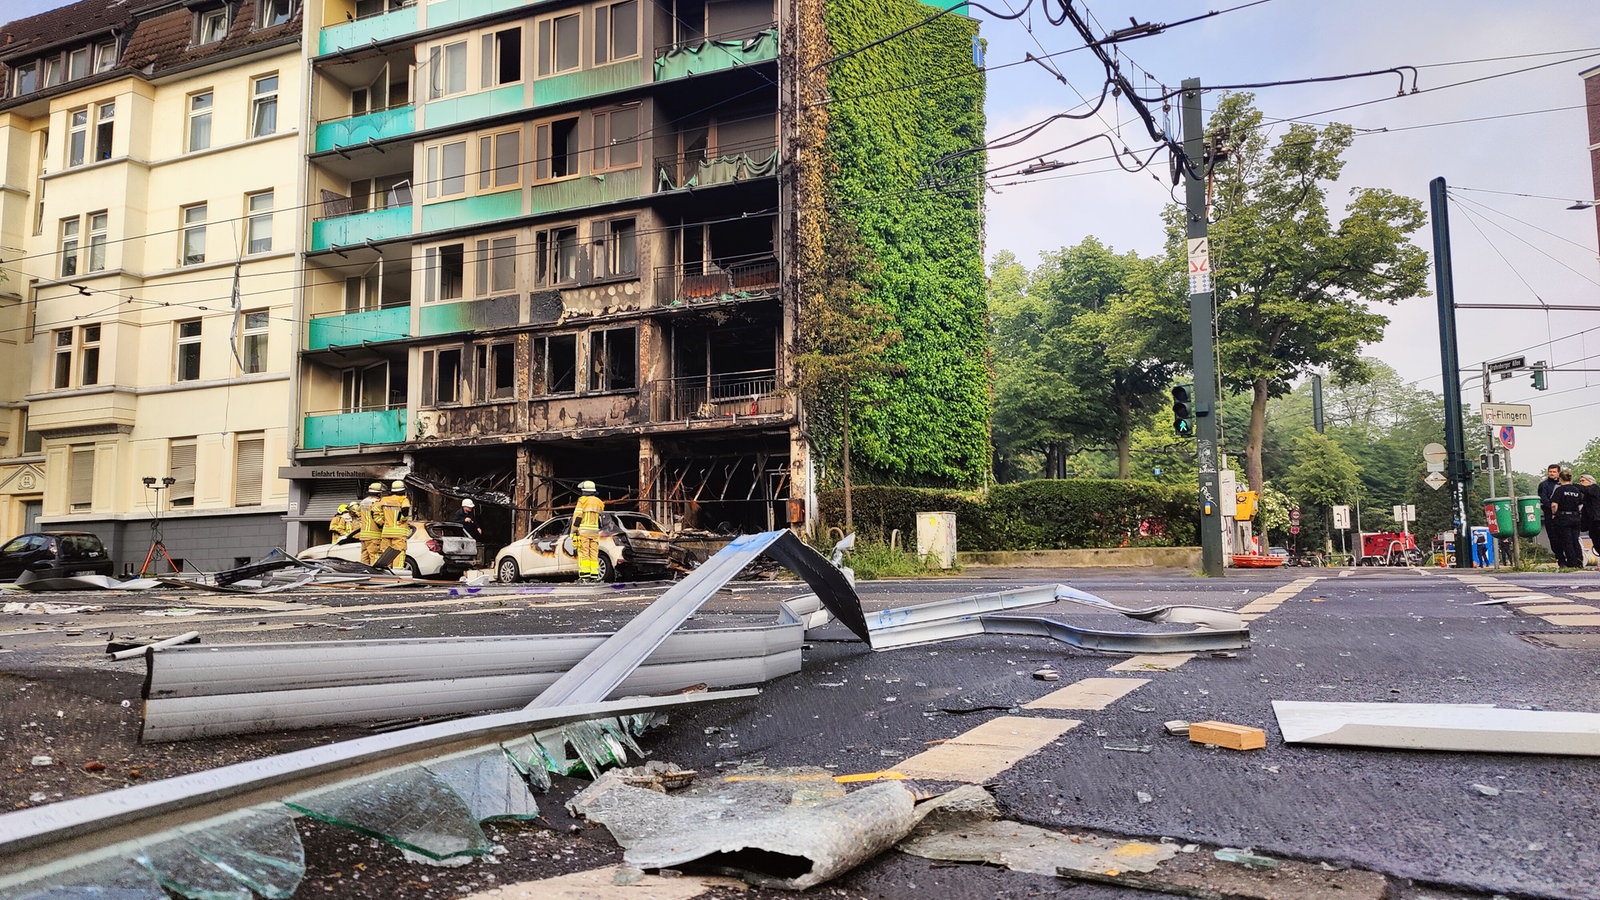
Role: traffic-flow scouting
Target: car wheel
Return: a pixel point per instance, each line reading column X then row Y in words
column 608, row 572
column 411, row 566
column 506, row 572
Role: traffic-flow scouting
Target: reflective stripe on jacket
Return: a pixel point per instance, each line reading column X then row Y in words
column 395, row 512
column 371, row 525
column 586, row 515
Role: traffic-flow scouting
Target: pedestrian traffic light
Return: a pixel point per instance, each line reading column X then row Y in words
column 1182, row 412
column 1538, row 376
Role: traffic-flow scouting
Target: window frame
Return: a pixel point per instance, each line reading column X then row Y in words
column 204, row 32
column 264, row 101
column 612, row 235
column 547, row 34
column 254, row 336
column 27, row 72
column 183, row 462
column 494, row 374
column 105, row 56
column 434, row 376
column 88, row 373
column 548, row 244
column 80, row 478
column 257, row 217
column 494, row 57
column 540, row 375
column 268, row 20
column 77, row 137
column 192, row 233
column 99, row 223
column 441, row 57
column 492, row 255
column 607, row 148
column 248, row 482
column 197, row 115
column 605, row 37
column 105, row 129
column 185, row 344
column 444, row 183
column 70, row 245
column 601, row 379
column 435, row 260
column 62, row 353
column 494, row 173
column 544, row 159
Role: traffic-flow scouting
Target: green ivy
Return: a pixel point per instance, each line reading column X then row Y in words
column 898, row 110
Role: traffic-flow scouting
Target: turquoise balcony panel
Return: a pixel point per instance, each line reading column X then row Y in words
column 472, row 210
column 715, row 56
column 444, row 12
column 378, row 126
column 587, row 83
column 588, row 190
column 455, row 110
column 378, row 426
column 358, row 228
column 362, row 32
column 352, row 329
column 471, row 315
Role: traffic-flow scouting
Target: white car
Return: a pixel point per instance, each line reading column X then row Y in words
column 630, row 543
column 434, row 550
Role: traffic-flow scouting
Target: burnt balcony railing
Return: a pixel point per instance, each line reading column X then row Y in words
column 723, row 396
column 697, row 169
column 732, row 279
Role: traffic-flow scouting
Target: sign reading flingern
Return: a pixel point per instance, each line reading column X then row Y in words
column 1507, row 414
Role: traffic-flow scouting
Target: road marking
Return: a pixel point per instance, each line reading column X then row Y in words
column 1152, row 662
column 1587, row 595
column 987, row 750
column 1090, row 693
column 1570, row 621
column 602, row 883
column 1560, row 609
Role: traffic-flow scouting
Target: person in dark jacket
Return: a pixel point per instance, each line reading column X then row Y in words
column 1566, row 514
column 1589, row 518
column 467, row 516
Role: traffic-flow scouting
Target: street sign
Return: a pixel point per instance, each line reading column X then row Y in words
column 1434, row 480
column 1199, row 266
column 1434, row 453
column 1294, row 529
column 1507, row 414
column 1341, row 518
column 1509, row 365
column 1508, row 436
column 1294, row 515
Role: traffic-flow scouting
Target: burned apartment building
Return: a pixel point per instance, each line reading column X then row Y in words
column 553, row 242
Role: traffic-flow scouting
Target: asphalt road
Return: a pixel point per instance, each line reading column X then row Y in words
column 1410, row 636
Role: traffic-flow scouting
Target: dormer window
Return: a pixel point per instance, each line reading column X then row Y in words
column 276, row 12
column 212, row 26
column 25, row 79
column 105, row 56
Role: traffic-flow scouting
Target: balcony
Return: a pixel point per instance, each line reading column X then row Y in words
column 445, row 12
column 376, row 126
column 468, row 316
column 358, row 228
column 364, row 32
column 724, row 397
column 684, row 172
column 324, row 431
column 448, row 111
column 737, row 279
column 716, row 55
column 587, row 190
column 587, row 83
column 355, row 329
column 479, row 210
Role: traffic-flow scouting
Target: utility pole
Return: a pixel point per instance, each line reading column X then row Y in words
column 1201, row 317
column 1454, row 441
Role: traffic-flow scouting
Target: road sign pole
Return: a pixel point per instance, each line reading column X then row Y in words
column 1516, row 513
column 1201, row 315
column 1455, row 444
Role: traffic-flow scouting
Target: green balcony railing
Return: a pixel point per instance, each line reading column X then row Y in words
column 444, row 12
column 358, row 228
column 353, row 429
column 362, row 32
column 480, row 314
column 354, row 329
column 716, row 55
column 455, row 110
column 477, row 210
column 376, row 126
column 587, row 190
column 588, row 82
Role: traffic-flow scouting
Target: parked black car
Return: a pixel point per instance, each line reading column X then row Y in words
column 54, row 554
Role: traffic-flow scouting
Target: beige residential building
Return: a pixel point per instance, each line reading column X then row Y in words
column 151, row 163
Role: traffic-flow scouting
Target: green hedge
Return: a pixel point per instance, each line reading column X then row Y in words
column 1031, row 515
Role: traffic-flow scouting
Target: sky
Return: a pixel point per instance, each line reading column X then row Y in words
column 1529, row 138
column 1512, row 146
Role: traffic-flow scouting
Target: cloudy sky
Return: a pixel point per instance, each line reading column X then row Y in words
column 1512, row 144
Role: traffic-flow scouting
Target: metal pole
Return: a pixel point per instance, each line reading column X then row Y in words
column 1516, row 512
column 1201, row 315
column 1489, row 430
column 1454, row 442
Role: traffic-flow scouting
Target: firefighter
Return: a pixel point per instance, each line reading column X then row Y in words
column 586, row 532
column 371, row 533
column 396, row 519
column 342, row 523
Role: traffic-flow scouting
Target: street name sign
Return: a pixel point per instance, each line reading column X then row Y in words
column 1507, row 414
column 1509, row 365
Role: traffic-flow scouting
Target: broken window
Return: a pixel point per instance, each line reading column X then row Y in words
column 556, row 149
column 441, row 377
column 495, row 371
column 619, row 254
column 613, row 359
column 446, row 272
column 557, row 256
column 365, row 388
column 555, row 365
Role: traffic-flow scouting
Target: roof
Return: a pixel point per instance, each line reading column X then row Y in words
column 62, row 25
column 161, row 40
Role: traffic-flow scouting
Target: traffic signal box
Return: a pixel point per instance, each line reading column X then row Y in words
column 1182, row 410
column 1245, row 505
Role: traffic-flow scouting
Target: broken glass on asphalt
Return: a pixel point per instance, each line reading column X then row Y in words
column 257, row 851
column 410, row 808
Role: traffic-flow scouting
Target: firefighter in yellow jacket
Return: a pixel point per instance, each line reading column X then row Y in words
column 396, row 523
column 371, row 533
column 586, row 532
column 342, row 523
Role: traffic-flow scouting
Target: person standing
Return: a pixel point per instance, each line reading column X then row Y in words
column 396, row 510
column 467, row 517
column 586, row 531
column 1566, row 512
column 342, row 523
column 1589, row 518
column 371, row 533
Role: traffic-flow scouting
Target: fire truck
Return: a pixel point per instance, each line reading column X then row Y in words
column 1389, row 548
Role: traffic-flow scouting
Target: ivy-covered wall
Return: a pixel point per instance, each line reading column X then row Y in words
column 895, row 113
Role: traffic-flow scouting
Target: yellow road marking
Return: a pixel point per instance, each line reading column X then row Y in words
column 987, row 750
column 1090, row 693
column 1152, row 662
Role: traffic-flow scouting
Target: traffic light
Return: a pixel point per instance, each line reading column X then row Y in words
column 1538, row 376
column 1182, row 412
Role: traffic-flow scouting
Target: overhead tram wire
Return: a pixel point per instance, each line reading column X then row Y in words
column 1587, row 249
column 1466, row 206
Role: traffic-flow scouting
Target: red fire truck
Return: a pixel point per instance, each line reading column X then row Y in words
column 1389, row 548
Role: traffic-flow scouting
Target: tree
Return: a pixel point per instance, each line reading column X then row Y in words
column 1086, row 351
column 1322, row 476
column 843, row 335
column 1588, row 462
column 1293, row 289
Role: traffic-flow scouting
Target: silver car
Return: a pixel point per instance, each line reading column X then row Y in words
column 434, row 550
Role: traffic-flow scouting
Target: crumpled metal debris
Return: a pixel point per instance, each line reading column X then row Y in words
column 47, row 609
column 740, row 828
column 1207, row 616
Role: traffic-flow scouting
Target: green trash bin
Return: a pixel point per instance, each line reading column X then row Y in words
column 1528, row 517
column 1498, row 514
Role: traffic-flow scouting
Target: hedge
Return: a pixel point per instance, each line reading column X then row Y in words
column 1031, row 515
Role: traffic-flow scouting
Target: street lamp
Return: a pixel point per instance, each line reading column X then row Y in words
column 151, row 483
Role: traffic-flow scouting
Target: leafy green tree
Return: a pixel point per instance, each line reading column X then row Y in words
column 1588, row 462
column 1086, row 352
column 1293, row 287
column 1322, row 476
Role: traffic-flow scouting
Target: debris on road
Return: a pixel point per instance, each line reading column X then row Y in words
column 1176, row 727
column 1459, row 727
column 188, row 637
column 47, row 609
column 1207, row 616
column 1227, row 734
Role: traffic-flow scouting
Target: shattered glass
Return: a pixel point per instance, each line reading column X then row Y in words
column 491, row 786
column 529, row 759
column 595, row 746
column 257, row 851
column 410, row 808
column 113, row 879
column 617, row 730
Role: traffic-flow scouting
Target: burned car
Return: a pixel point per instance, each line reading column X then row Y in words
column 632, row 545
